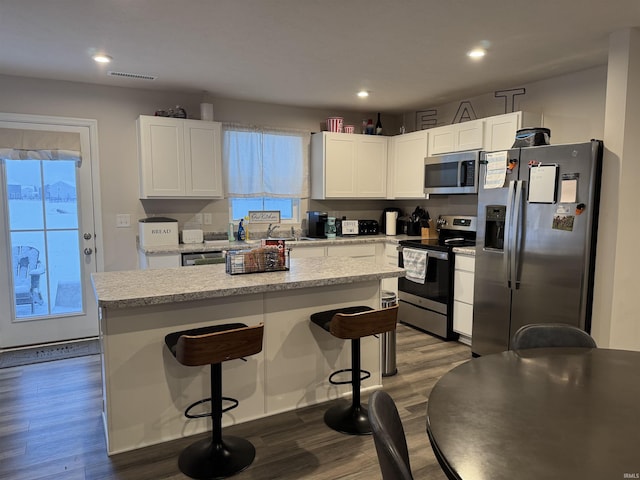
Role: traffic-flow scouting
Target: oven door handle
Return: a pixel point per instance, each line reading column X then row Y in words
column 437, row 255
column 430, row 253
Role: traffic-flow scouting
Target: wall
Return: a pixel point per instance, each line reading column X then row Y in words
column 616, row 321
column 116, row 109
column 572, row 106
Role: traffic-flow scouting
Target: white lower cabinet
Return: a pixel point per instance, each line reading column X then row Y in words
column 390, row 258
column 367, row 252
column 167, row 260
column 463, row 296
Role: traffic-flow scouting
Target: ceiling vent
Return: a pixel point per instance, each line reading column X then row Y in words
column 138, row 76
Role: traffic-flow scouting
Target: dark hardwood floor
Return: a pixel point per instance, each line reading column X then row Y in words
column 51, row 426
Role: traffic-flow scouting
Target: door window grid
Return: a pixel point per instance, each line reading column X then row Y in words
column 43, row 232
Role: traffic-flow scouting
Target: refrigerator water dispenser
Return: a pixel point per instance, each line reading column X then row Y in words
column 494, row 236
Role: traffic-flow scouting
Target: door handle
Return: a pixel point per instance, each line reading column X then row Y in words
column 88, row 251
column 516, row 234
column 508, row 230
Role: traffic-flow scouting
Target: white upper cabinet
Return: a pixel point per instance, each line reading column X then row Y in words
column 179, row 158
column 500, row 130
column 456, row 137
column 348, row 166
column 406, row 165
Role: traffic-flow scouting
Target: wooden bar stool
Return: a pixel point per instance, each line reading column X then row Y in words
column 353, row 323
column 215, row 457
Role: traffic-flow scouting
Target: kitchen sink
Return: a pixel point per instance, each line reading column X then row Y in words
column 294, row 239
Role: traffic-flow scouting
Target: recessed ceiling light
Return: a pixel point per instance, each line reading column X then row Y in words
column 363, row 94
column 477, row 53
column 102, row 58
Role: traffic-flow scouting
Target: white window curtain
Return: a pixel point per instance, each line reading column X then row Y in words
column 18, row 144
column 265, row 161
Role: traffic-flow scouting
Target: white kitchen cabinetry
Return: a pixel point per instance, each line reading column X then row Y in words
column 179, row 158
column 348, row 166
column 456, row 137
column 406, row 165
column 164, row 260
column 463, row 296
column 366, row 251
column 390, row 258
column 500, row 130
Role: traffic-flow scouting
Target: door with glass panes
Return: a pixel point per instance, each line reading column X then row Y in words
column 47, row 239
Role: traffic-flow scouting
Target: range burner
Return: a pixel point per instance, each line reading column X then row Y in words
column 455, row 231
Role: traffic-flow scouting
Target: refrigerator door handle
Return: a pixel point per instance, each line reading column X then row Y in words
column 508, row 231
column 517, row 211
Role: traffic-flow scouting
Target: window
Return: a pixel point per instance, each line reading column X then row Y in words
column 266, row 169
column 44, row 236
column 288, row 207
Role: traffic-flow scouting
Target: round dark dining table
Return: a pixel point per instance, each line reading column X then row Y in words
column 545, row 413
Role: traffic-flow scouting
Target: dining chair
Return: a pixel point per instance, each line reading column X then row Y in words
column 389, row 437
column 545, row 335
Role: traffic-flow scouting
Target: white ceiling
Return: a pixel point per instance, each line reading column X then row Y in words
column 409, row 53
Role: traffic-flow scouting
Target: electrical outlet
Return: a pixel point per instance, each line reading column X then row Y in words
column 208, row 219
column 198, row 218
column 123, row 220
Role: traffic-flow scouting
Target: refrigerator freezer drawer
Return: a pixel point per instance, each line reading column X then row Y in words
column 424, row 319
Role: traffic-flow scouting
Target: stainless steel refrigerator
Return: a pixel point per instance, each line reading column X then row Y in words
column 536, row 240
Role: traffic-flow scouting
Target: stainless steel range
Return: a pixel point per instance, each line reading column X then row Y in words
column 426, row 294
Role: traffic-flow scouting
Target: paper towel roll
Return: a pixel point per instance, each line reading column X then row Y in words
column 390, row 223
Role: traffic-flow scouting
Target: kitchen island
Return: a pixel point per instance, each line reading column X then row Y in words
column 146, row 390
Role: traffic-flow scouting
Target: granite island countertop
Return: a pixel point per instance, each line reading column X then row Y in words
column 134, row 288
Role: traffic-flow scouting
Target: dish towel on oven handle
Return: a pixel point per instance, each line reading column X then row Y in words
column 415, row 264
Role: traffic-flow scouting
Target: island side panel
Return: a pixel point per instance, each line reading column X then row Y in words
column 300, row 355
column 147, row 390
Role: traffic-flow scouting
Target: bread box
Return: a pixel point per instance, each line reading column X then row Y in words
column 156, row 231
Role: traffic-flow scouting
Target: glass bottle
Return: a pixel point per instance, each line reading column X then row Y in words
column 378, row 126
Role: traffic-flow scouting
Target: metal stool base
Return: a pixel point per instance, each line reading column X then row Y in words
column 349, row 419
column 204, row 461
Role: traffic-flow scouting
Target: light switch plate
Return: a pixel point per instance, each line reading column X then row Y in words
column 123, row 220
column 208, row 219
column 198, row 218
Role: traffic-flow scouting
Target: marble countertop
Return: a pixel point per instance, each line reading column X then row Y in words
column 134, row 288
column 316, row 242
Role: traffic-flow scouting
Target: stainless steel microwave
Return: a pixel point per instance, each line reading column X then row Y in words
column 453, row 173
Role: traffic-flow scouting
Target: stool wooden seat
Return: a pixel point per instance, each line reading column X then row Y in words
column 353, row 323
column 216, row 457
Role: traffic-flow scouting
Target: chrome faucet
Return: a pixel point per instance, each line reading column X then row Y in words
column 272, row 228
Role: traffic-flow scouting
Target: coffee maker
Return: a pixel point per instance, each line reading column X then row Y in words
column 316, row 222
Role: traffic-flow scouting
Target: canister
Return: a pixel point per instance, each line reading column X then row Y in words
column 155, row 231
